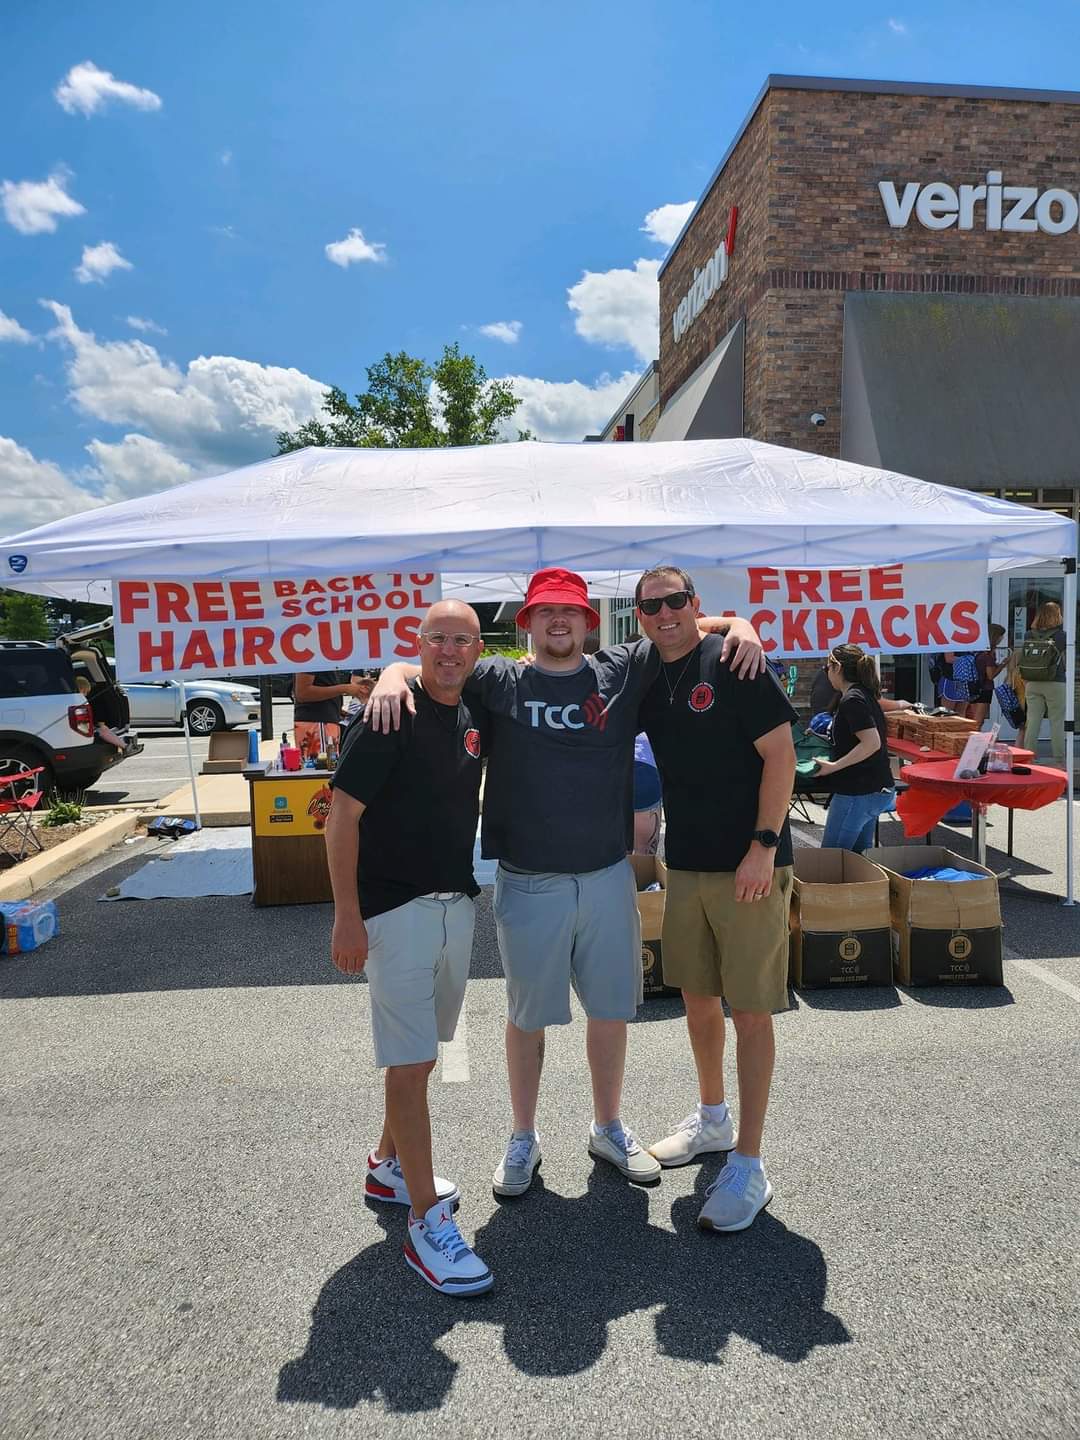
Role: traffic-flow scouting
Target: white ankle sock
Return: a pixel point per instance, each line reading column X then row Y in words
column 752, row 1162
column 713, row 1114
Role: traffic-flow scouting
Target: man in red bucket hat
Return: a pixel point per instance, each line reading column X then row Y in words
column 558, row 816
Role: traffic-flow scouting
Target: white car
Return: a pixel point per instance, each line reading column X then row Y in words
column 211, row 704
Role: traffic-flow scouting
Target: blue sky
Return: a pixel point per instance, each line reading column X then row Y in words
column 229, row 206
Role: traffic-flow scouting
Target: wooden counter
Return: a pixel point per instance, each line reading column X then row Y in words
column 288, row 847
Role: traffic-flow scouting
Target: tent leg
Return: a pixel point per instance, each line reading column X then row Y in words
column 190, row 757
column 1070, row 709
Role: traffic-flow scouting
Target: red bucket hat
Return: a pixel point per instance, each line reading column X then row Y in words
column 557, row 587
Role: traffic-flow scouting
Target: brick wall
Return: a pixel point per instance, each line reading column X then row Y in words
column 812, row 225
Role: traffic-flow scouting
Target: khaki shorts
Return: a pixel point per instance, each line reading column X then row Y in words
column 417, row 969
column 715, row 945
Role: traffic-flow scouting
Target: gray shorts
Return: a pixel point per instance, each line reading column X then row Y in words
column 417, row 970
column 561, row 930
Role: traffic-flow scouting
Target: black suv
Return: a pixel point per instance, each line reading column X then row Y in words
column 46, row 724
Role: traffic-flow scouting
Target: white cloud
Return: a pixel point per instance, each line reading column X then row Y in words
column 11, row 330
column 566, row 410
column 98, row 262
column 225, row 157
column 34, row 206
column 147, row 327
column 508, row 331
column 897, row 26
column 34, row 491
column 619, row 308
column 87, row 89
column 664, row 223
column 355, row 248
column 136, row 465
column 220, row 411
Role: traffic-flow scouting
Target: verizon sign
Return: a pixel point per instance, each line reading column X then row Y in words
column 706, row 281
column 990, row 205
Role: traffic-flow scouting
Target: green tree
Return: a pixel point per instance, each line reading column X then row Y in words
column 24, row 617
column 410, row 404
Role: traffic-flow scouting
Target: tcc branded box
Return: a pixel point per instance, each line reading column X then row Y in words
column 839, row 921
column 947, row 932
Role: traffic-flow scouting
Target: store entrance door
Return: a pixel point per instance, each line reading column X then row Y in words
column 1015, row 599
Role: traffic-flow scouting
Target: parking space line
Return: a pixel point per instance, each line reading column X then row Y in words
column 455, row 1055
column 1049, row 978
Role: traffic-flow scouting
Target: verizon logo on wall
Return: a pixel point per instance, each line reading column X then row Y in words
column 706, row 281
column 990, row 205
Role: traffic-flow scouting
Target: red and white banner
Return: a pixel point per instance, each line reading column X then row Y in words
column 898, row 609
column 173, row 629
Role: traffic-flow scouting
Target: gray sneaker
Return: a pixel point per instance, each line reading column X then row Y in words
column 735, row 1197
column 615, row 1144
column 515, row 1172
column 695, row 1137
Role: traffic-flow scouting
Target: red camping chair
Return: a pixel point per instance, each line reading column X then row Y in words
column 18, row 837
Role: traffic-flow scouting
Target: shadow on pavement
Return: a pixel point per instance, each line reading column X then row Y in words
column 962, row 997
column 866, row 997
column 560, row 1282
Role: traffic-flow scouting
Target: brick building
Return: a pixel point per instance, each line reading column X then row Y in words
column 889, row 272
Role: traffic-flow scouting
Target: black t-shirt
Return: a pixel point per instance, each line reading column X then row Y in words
column 703, row 739
column 559, row 790
column 421, row 789
column 858, row 710
column 321, row 712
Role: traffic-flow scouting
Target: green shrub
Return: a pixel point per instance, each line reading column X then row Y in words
column 61, row 812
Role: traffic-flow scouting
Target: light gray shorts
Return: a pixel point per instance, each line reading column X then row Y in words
column 417, row 969
column 561, row 930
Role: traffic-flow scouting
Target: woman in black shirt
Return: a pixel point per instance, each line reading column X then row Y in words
column 859, row 775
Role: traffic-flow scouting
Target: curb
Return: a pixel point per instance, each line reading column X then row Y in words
column 30, row 876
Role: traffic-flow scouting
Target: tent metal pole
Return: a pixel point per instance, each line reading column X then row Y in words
column 1070, row 709
column 190, row 756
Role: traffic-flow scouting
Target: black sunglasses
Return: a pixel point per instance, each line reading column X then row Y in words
column 677, row 600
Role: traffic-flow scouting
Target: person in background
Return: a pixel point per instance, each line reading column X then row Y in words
column 1012, row 697
column 647, row 798
column 103, row 732
column 858, row 770
column 317, row 700
column 821, row 692
column 1045, row 696
column 988, row 668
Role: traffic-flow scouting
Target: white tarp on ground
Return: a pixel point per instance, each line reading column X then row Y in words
column 210, row 862
column 497, row 512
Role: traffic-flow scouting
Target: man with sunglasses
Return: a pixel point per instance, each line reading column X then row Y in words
column 727, row 763
column 399, row 842
column 558, row 816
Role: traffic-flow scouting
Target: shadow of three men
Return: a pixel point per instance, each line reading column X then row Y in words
column 565, row 1268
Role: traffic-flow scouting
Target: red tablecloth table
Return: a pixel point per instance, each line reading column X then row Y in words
column 908, row 750
column 933, row 791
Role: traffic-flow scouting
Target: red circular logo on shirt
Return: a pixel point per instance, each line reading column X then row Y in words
column 701, row 697
column 472, row 743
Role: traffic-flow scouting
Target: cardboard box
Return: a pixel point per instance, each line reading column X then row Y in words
column 946, row 934
column 648, row 869
column 840, row 932
column 227, row 754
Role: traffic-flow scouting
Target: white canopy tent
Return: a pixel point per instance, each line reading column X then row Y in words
column 485, row 517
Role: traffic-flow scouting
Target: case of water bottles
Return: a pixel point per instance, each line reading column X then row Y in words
column 27, row 925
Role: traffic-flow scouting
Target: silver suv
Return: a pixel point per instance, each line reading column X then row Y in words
column 46, row 724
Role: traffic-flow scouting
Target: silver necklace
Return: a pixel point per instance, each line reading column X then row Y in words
column 672, row 688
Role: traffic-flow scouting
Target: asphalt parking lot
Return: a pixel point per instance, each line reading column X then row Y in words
column 188, row 1096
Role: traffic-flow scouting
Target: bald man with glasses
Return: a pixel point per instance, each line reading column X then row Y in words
column 399, row 842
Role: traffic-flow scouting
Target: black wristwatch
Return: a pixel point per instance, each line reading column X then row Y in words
column 769, row 838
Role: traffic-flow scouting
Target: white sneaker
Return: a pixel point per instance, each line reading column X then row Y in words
column 514, row 1173
column 436, row 1251
column 384, row 1181
column 735, row 1197
column 695, row 1136
column 617, row 1145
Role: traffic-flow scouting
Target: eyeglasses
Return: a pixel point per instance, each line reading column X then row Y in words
column 677, row 600
column 438, row 640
